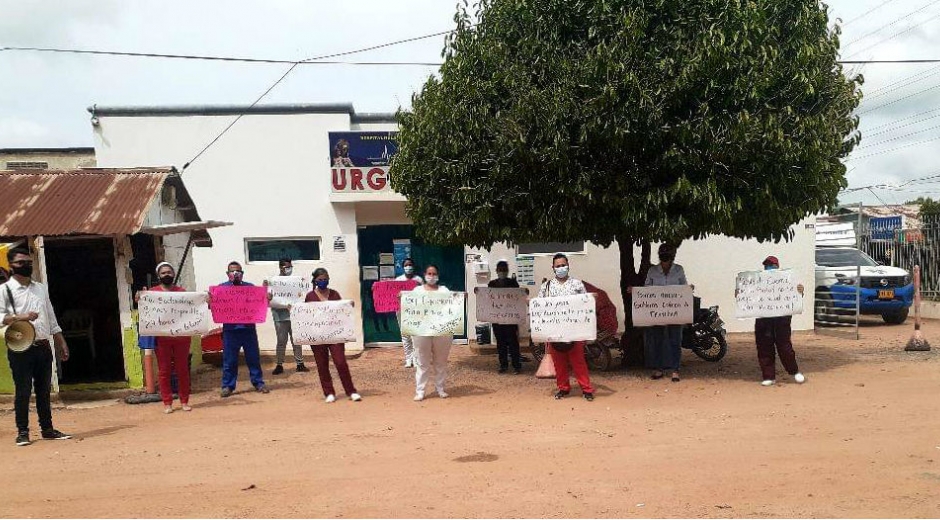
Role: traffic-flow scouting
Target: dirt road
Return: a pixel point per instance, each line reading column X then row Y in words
column 861, row 438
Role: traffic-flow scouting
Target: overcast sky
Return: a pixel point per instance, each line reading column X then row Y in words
column 43, row 96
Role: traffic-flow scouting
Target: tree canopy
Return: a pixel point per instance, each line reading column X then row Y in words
column 652, row 120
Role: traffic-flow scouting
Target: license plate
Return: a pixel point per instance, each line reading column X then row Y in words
column 886, row 294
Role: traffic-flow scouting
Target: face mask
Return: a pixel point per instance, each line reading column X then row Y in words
column 25, row 270
column 666, row 258
column 235, row 277
column 502, row 274
column 561, row 272
column 770, row 267
column 167, row 280
column 409, row 269
column 322, row 284
column 431, row 279
column 287, row 270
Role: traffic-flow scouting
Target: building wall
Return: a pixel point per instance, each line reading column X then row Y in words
column 62, row 160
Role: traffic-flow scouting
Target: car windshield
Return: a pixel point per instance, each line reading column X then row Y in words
column 843, row 258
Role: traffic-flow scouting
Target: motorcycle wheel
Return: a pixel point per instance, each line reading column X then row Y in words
column 597, row 356
column 710, row 347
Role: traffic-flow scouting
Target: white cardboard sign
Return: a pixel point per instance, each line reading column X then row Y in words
column 176, row 314
column 662, row 305
column 432, row 313
column 323, row 323
column 563, row 318
column 767, row 294
column 504, row 306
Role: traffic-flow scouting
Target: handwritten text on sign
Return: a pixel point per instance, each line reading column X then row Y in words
column 323, row 323
column 173, row 313
column 662, row 305
column 288, row 289
column 506, row 306
column 385, row 294
column 239, row 303
column 767, row 294
column 563, row 318
column 432, row 313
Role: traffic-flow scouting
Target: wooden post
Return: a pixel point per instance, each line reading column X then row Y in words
column 917, row 342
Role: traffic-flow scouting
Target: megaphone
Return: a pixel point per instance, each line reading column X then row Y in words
column 19, row 335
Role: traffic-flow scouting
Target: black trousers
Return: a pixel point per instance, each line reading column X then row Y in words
column 507, row 345
column 32, row 369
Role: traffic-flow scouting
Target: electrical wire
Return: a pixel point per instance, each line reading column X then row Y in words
column 908, row 15
column 895, row 35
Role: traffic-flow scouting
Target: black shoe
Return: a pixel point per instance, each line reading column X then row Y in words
column 524, row 359
column 561, row 394
column 588, row 396
column 517, row 370
column 226, row 392
column 263, row 389
column 302, row 368
column 55, row 435
column 503, row 370
column 22, row 439
column 278, row 370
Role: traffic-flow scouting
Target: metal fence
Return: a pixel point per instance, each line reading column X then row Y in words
column 906, row 248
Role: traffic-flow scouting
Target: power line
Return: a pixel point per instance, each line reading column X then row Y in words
column 291, row 69
column 889, row 130
column 897, row 138
column 890, row 150
column 915, row 94
column 903, row 82
column 868, row 12
column 908, row 15
column 895, row 35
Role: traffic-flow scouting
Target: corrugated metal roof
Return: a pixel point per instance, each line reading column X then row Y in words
column 90, row 201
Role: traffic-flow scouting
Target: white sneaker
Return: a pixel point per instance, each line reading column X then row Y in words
column 419, row 397
column 442, row 394
column 409, row 364
column 767, row 382
column 330, row 398
column 355, row 397
column 799, row 378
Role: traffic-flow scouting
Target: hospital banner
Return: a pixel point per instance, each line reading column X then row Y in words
column 662, row 305
column 563, row 319
column 767, row 294
column 172, row 313
column 359, row 161
column 323, row 323
column 432, row 313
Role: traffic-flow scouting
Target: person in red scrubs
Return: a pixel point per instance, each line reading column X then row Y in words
column 172, row 352
column 322, row 353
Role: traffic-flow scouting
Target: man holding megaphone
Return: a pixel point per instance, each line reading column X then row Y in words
column 24, row 301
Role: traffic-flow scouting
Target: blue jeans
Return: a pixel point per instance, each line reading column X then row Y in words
column 663, row 347
column 232, row 342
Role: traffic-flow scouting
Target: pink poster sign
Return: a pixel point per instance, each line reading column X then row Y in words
column 239, row 303
column 385, row 294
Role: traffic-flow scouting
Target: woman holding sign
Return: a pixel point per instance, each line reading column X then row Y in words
column 663, row 344
column 407, row 344
column 431, row 352
column 321, row 353
column 172, row 352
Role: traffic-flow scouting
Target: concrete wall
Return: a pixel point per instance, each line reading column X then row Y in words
column 57, row 160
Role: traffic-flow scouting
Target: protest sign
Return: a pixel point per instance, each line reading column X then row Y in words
column 288, row 289
column 323, row 323
column 385, row 294
column 662, row 305
column 562, row 319
column 767, row 294
column 505, row 306
column 173, row 313
column 239, row 303
column 432, row 313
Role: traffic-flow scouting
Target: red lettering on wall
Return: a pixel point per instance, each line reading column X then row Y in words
column 339, row 179
column 356, row 179
column 376, row 179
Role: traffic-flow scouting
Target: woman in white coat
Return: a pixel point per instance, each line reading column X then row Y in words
column 431, row 352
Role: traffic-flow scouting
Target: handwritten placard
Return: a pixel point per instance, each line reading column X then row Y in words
column 432, row 313
column 173, row 313
column 563, row 318
column 288, row 289
column 767, row 294
column 662, row 305
column 505, row 306
column 385, row 294
column 239, row 303
column 323, row 323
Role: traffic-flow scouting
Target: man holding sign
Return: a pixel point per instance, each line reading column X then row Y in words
column 285, row 290
column 772, row 335
column 507, row 334
column 236, row 336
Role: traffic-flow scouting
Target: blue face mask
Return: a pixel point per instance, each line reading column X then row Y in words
column 322, row 284
column 770, row 267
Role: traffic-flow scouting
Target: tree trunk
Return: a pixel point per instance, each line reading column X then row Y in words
column 632, row 276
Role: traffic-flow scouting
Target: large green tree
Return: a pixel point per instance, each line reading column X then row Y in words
column 632, row 121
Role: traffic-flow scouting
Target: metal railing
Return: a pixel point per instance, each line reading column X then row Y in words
column 906, row 248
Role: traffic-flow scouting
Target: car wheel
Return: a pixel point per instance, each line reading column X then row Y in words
column 896, row 318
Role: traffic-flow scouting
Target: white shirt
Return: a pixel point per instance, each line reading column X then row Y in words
column 404, row 278
column 424, row 288
column 554, row 287
column 31, row 298
column 657, row 277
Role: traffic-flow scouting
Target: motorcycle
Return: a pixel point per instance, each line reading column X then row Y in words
column 706, row 336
